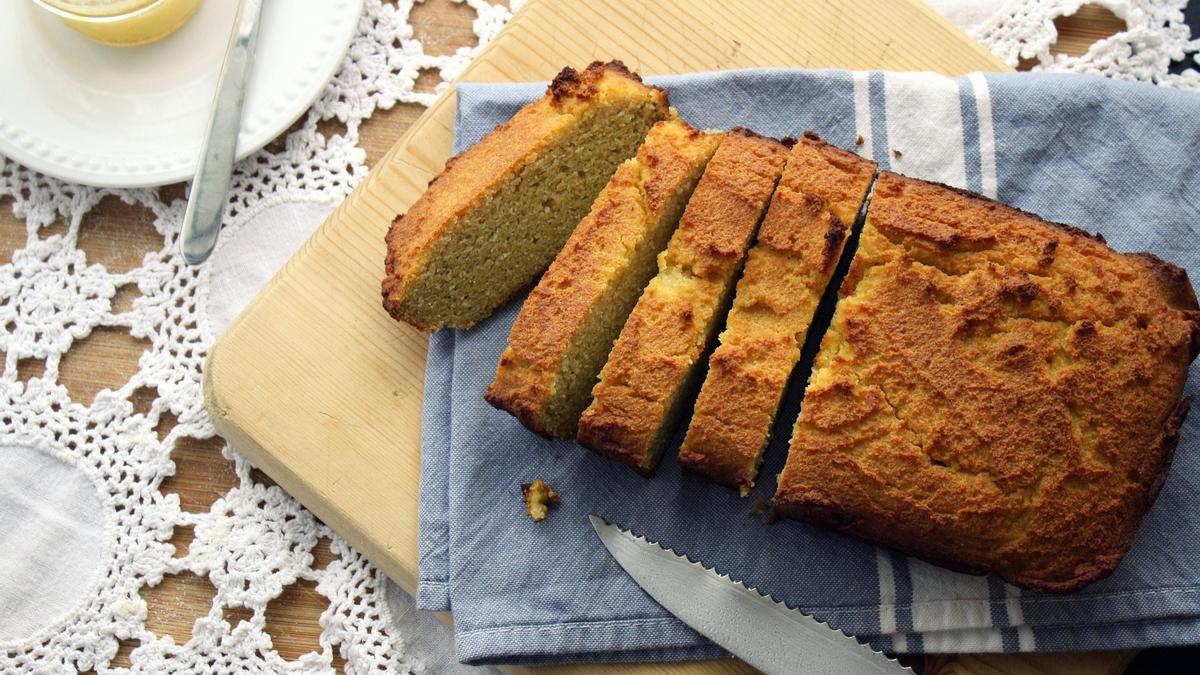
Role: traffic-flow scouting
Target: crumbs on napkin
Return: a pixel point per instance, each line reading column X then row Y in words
column 539, row 499
column 764, row 509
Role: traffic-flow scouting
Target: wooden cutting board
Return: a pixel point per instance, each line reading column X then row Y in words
column 322, row 390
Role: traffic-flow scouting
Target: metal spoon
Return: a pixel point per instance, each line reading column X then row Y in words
column 214, row 172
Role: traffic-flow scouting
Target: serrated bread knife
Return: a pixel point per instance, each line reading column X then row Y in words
column 765, row 633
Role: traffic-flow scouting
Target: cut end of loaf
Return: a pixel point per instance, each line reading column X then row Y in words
column 500, row 211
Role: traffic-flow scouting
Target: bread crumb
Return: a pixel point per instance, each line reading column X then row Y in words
column 897, row 154
column 860, row 140
column 764, row 509
column 539, row 498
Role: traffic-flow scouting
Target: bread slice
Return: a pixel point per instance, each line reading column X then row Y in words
column 568, row 323
column 643, row 386
column 787, row 269
column 996, row 393
column 499, row 212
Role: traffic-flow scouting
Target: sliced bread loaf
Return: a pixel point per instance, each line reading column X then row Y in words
column 787, row 269
column 568, row 323
column 499, row 212
column 651, row 369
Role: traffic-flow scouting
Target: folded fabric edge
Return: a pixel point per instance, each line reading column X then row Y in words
column 433, row 506
column 591, row 642
column 1120, row 606
column 632, row 656
column 1041, row 611
column 584, row 641
column 433, row 596
column 967, row 641
column 1100, row 637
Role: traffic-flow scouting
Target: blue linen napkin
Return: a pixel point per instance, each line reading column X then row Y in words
column 1107, row 156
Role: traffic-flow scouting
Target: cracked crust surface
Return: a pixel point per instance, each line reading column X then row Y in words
column 995, row 393
column 652, row 366
column 787, row 269
column 418, row 241
column 569, row 321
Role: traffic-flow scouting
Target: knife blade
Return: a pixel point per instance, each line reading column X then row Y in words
column 760, row 630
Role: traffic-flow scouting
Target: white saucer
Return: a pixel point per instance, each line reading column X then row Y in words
column 135, row 116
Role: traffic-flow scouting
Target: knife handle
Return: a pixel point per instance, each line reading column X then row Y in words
column 214, row 168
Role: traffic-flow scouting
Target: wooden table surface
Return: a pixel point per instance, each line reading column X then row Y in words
column 118, row 235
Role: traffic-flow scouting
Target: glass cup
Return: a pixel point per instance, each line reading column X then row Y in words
column 123, row 23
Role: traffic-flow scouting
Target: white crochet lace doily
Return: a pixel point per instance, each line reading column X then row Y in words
column 1155, row 36
column 94, row 528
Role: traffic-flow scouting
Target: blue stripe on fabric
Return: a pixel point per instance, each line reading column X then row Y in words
column 915, row 642
column 998, row 601
column 1009, row 639
column 971, row 143
column 1134, row 635
column 904, row 592
column 879, row 137
column 883, row 643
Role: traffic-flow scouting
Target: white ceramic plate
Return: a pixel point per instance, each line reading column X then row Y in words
column 135, row 116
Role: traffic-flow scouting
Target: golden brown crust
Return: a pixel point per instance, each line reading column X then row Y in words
column 475, row 173
column 995, row 392
column 595, row 257
column 1167, row 443
column 572, row 84
column 722, row 216
column 652, row 364
column 799, row 243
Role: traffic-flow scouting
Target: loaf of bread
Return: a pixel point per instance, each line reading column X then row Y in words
column 787, row 269
column 996, row 393
column 499, row 212
column 649, row 375
column 569, row 321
